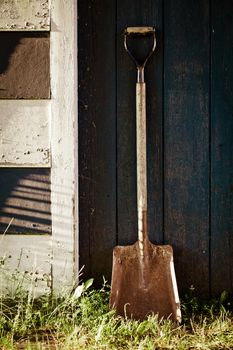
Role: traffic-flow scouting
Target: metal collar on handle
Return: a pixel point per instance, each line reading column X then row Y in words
column 139, row 31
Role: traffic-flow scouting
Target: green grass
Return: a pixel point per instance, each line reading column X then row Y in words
column 84, row 321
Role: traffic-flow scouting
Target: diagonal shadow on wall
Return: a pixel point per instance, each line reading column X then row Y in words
column 24, row 65
column 25, row 197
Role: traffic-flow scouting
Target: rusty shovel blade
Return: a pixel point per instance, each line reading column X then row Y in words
column 144, row 285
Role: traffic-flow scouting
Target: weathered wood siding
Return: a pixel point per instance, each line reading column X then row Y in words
column 38, row 142
column 221, row 146
column 190, row 136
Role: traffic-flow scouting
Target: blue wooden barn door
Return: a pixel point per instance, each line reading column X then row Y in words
column 190, row 136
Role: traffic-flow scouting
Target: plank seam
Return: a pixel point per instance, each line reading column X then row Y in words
column 116, row 128
column 210, row 140
column 163, row 121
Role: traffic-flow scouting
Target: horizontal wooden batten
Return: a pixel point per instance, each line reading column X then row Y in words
column 25, row 134
column 24, row 15
column 33, row 258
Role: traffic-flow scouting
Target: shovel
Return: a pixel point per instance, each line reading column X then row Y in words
column 143, row 275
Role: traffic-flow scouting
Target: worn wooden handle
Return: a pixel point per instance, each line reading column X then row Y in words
column 141, row 161
column 139, row 30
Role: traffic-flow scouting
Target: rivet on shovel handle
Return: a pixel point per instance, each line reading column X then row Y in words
column 143, row 274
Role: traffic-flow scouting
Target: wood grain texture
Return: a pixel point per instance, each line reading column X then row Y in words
column 26, row 193
column 28, row 256
column 189, row 136
column 222, row 147
column 140, row 13
column 25, row 134
column 186, row 139
column 97, row 136
column 64, row 187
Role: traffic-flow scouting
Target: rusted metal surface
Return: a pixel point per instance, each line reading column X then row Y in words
column 24, row 15
column 25, row 198
column 25, row 134
column 144, row 285
column 24, row 65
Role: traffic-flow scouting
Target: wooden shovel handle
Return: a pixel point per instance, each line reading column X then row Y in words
column 141, row 160
column 139, row 30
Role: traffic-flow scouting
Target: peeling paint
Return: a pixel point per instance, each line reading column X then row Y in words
column 54, row 256
column 20, row 142
column 25, row 15
column 25, row 258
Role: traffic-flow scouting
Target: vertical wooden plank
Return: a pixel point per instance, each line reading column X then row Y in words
column 97, row 136
column 186, row 140
column 63, row 42
column 139, row 13
column 222, row 147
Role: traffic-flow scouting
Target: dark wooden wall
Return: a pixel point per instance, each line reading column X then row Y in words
column 190, row 136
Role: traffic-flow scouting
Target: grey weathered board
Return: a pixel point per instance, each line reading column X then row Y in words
column 190, row 136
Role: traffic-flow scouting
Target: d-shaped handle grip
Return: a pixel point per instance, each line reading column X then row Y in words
column 139, row 31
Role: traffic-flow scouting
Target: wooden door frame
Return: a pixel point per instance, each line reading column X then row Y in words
column 64, row 142
column 54, row 258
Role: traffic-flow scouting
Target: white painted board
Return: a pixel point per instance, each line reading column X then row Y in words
column 24, row 15
column 24, row 133
column 25, row 263
column 64, row 171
